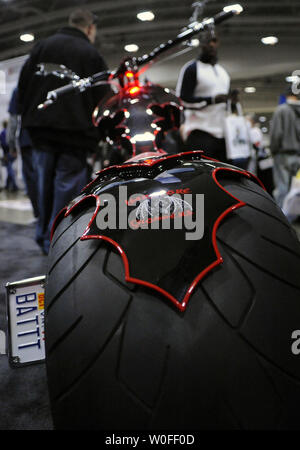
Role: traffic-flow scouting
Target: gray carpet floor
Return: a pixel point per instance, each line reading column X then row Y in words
column 24, row 403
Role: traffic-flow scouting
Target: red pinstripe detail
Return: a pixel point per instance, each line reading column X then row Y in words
column 181, row 306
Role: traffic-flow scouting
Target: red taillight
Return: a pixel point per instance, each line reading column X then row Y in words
column 134, row 90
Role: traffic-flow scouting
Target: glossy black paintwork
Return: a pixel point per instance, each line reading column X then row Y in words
column 165, row 258
column 135, row 121
column 138, row 122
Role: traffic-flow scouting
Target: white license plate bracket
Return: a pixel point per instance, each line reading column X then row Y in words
column 25, row 320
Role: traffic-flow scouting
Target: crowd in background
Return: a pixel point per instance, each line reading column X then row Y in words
column 54, row 145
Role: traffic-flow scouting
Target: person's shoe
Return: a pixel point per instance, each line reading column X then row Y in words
column 46, row 247
column 43, row 249
column 32, row 221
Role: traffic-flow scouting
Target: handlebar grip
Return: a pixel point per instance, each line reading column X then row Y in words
column 61, row 91
column 75, row 86
column 52, row 96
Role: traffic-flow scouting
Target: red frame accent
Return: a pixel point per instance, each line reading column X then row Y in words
column 153, row 162
column 127, row 89
column 181, row 306
column 67, row 211
column 134, row 90
column 142, row 163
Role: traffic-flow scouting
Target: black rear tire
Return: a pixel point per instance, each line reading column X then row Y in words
column 121, row 356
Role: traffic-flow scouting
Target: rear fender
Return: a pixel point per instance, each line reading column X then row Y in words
column 165, row 260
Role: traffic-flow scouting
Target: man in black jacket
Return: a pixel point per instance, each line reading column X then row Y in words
column 62, row 134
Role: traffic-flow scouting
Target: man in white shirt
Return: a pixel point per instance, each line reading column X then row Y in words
column 204, row 85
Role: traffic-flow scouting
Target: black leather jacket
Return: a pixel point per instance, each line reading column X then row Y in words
column 69, row 120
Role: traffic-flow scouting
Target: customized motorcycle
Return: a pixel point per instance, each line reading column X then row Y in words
column 173, row 289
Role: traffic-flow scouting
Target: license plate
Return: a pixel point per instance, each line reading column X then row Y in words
column 25, row 313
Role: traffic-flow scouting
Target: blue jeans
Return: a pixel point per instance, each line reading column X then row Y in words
column 11, row 179
column 242, row 163
column 30, row 177
column 285, row 167
column 60, row 177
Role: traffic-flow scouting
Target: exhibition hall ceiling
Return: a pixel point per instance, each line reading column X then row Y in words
column 249, row 62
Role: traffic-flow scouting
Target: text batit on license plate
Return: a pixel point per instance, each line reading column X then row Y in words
column 25, row 308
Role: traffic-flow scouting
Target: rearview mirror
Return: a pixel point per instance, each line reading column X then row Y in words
column 57, row 70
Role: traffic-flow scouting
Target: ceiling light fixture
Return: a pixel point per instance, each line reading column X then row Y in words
column 131, row 48
column 292, row 79
column 145, row 16
column 250, row 89
column 270, row 40
column 236, row 8
column 27, row 37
